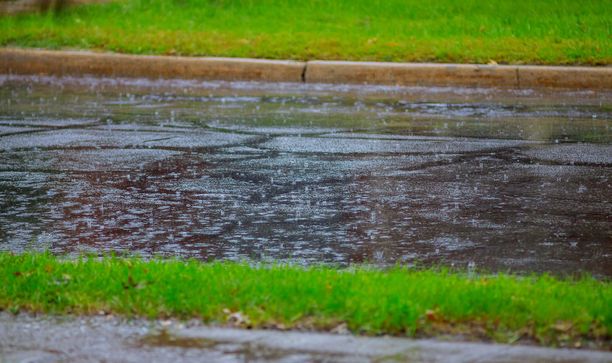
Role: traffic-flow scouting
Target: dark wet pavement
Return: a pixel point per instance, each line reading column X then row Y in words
column 504, row 180
column 49, row 339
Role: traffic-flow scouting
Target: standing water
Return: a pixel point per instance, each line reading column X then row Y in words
column 474, row 178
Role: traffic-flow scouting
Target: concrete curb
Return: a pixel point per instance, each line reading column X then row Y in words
column 410, row 74
column 45, row 62
column 61, row 63
column 471, row 75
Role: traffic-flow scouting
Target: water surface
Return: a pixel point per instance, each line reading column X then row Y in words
column 501, row 180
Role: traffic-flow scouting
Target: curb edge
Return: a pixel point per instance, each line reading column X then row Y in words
column 59, row 63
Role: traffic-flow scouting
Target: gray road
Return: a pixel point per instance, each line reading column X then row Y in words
column 501, row 180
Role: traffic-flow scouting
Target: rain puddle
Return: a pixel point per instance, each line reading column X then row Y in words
column 500, row 180
column 165, row 339
column 244, row 351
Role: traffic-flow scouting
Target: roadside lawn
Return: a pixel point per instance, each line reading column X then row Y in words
column 467, row 31
column 398, row 301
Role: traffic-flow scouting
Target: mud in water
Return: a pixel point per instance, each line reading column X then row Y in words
column 499, row 180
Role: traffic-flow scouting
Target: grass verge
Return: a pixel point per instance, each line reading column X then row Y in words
column 399, row 301
column 473, row 31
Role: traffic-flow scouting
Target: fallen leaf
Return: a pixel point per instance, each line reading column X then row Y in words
column 563, row 326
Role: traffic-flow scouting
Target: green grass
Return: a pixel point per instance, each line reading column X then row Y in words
column 398, row 301
column 506, row 31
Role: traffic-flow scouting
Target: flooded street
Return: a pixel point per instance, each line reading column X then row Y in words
column 508, row 180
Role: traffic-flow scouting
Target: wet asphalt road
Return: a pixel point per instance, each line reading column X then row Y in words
column 500, row 180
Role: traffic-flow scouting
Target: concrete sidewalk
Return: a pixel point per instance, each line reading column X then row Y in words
column 73, row 63
column 25, row 338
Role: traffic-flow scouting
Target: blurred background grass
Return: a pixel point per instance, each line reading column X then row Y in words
column 478, row 31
